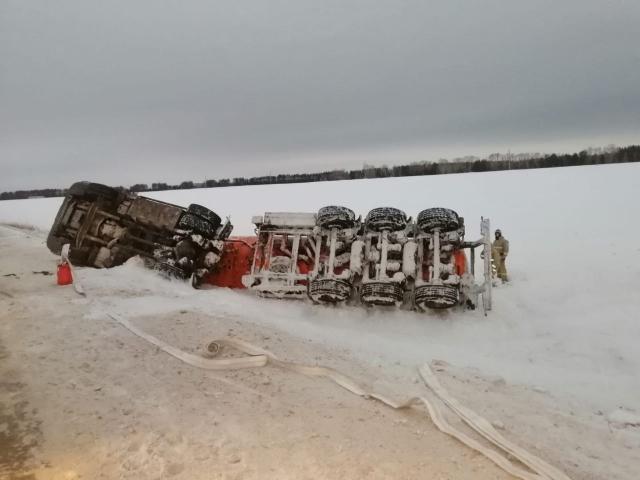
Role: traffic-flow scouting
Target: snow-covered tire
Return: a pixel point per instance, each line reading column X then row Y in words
column 381, row 293
column 196, row 224
column 436, row 296
column 386, row 218
column 443, row 218
column 93, row 191
column 334, row 216
column 329, row 290
column 203, row 212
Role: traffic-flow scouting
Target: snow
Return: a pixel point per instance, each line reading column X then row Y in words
column 566, row 323
column 624, row 418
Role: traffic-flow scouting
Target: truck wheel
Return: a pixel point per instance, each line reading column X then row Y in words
column 381, row 293
column 93, row 191
column 329, row 290
column 205, row 213
column 196, row 224
column 334, row 216
column 386, row 218
column 443, row 218
column 436, row 296
column 55, row 243
column 54, row 240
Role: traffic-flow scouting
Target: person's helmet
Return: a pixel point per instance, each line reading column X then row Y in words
column 498, row 232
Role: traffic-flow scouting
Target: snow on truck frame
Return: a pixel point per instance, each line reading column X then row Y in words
column 385, row 260
column 329, row 256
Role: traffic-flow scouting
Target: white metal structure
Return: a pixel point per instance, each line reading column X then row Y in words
column 387, row 260
column 284, row 239
column 470, row 288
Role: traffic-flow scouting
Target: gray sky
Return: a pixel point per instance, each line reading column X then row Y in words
column 141, row 91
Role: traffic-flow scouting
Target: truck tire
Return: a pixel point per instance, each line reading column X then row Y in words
column 205, row 213
column 436, row 297
column 329, row 290
column 381, row 293
column 54, row 240
column 55, row 243
column 443, row 218
column 335, row 216
column 93, row 191
column 386, row 218
column 197, row 224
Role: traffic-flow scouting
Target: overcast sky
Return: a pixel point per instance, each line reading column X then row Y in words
column 140, row 91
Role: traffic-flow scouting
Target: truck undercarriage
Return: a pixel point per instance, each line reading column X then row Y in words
column 386, row 260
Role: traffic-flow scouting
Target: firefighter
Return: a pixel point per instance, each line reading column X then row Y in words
column 499, row 252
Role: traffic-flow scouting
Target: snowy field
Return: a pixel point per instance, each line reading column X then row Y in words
column 567, row 323
column 559, row 352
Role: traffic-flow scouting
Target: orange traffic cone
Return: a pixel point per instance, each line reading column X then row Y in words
column 64, row 274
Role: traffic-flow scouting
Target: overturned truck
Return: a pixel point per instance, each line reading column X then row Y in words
column 330, row 256
column 105, row 226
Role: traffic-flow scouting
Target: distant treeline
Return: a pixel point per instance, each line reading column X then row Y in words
column 592, row 156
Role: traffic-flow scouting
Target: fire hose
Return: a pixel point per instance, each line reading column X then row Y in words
column 259, row 357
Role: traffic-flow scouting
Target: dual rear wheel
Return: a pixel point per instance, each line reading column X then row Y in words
column 387, row 293
column 436, row 297
column 199, row 219
column 335, row 216
column 329, row 290
column 332, row 290
column 443, row 219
